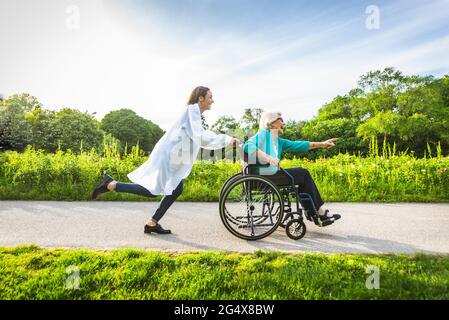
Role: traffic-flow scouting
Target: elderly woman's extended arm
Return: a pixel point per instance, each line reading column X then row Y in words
column 295, row 146
column 315, row 145
column 324, row 144
column 304, row 146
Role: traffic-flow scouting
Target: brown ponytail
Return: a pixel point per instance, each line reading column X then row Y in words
column 196, row 94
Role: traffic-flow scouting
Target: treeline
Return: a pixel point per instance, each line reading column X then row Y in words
column 23, row 122
column 410, row 113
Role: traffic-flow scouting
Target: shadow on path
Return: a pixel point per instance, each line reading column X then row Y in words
column 326, row 243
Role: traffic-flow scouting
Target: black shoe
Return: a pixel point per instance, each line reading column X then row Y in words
column 156, row 229
column 326, row 216
column 102, row 187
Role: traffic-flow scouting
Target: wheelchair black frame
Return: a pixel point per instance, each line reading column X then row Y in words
column 287, row 191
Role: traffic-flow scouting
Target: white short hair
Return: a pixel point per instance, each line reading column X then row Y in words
column 267, row 118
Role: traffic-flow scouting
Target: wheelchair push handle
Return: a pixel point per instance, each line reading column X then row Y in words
column 236, row 142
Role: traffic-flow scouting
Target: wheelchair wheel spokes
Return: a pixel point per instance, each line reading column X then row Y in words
column 295, row 229
column 267, row 211
column 250, row 207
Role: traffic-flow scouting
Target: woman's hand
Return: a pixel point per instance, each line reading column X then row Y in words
column 329, row 143
column 236, row 142
column 274, row 162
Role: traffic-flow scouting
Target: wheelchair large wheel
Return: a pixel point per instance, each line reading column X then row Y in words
column 226, row 185
column 228, row 182
column 251, row 207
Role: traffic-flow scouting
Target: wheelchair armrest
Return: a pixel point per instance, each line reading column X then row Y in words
column 246, row 158
column 258, row 164
column 247, row 167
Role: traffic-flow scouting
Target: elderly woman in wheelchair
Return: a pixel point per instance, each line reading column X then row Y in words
column 256, row 201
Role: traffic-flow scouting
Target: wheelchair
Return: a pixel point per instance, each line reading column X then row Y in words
column 252, row 206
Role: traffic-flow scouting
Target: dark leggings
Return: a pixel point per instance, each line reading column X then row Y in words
column 165, row 203
column 303, row 180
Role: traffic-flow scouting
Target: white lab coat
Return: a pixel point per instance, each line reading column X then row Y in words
column 172, row 158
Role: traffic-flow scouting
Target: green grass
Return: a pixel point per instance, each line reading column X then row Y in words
column 30, row 272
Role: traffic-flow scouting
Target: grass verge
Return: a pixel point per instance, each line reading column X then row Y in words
column 29, row 272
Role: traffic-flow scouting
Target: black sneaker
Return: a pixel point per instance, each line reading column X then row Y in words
column 102, row 187
column 326, row 216
column 156, row 229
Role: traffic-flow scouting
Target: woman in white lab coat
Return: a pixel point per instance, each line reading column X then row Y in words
column 171, row 159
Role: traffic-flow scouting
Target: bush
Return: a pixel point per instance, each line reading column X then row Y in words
column 35, row 175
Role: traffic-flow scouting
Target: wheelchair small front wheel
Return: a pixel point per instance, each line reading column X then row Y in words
column 295, row 229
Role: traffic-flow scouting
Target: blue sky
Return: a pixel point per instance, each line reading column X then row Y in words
column 291, row 56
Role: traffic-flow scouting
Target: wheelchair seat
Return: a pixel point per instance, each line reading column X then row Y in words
column 279, row 178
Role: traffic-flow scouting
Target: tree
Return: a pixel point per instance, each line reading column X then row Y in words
column 45, row 131
column 15, row 131
column 225, row 124
column 426, row 112
column 340, row 107
column 250, row 119
column 410, row 111
column 131, row 129
column 293, row 130
column 22, row 103
column 375, row 80
column 342, row 128
column 383, row 88
column 383, row 124
column 391, row 78
column 76, row 129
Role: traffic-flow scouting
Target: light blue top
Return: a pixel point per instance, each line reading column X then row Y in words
column 274, row 147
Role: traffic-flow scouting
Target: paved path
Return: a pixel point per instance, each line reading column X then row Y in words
column 364, row 228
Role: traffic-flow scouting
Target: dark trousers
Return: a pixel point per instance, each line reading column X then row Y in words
column 165, row 203
column 303, row 180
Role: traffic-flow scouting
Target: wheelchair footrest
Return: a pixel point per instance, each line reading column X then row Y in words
column 327, row 222
column 324, row 223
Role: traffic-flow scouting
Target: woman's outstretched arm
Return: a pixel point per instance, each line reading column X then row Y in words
column 305, row 146
column 324, row 144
